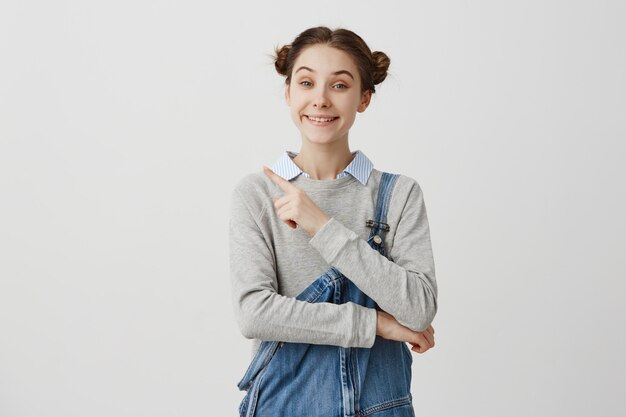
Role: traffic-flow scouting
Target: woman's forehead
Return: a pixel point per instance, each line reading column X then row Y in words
column 319, row 59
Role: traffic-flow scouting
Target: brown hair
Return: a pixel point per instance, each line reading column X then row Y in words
column 372, row 65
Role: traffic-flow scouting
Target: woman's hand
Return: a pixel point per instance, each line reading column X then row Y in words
column 388, row 327
column 296, row 208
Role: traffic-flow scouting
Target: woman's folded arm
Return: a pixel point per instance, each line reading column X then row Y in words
column 262, row 313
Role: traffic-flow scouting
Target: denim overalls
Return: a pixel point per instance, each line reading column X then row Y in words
column 310, row 380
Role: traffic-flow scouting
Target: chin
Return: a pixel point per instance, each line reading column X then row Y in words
column 320, row 140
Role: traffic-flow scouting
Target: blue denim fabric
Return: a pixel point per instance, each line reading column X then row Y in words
column 309, row 380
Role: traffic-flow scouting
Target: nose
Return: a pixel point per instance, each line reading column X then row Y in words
column 321, row 99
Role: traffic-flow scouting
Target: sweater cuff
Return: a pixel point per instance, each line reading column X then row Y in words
column 331, row 239
column 369, row 327
column 363, row 330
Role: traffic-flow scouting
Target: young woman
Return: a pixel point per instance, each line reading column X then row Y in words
column 332, row 270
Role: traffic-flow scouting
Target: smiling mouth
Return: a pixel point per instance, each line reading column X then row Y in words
column 320, row 121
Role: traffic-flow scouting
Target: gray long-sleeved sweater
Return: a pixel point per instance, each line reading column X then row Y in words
column 271, row 263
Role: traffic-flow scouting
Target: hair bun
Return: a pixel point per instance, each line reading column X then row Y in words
column 280, row 59
column 381, row 65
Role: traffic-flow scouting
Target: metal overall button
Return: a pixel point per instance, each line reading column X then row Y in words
column 377, row 239
column 373, row 224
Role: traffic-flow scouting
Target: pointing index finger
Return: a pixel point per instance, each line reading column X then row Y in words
column 278, row 180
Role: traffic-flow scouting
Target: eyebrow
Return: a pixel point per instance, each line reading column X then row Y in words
column 334, row 73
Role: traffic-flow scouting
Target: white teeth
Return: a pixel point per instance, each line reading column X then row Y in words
column 317, row 119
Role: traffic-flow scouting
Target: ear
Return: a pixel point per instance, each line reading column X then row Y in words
column 287, row 98
column 365, row 100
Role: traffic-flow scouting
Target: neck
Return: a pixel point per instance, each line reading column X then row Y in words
column 323, row 162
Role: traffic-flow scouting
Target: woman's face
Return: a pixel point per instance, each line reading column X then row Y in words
column 325, row 82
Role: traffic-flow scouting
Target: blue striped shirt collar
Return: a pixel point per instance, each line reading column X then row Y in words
column 360, row 167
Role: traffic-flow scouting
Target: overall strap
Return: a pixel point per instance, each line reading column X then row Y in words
column 378, row 225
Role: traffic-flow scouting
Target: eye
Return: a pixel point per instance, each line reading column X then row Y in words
column 345, row 86
column 305, row 82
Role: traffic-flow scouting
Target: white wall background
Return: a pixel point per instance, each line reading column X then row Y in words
column 125, row 124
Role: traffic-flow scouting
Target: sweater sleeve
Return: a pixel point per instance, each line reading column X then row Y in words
column 405, row 286
column 262, row 313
